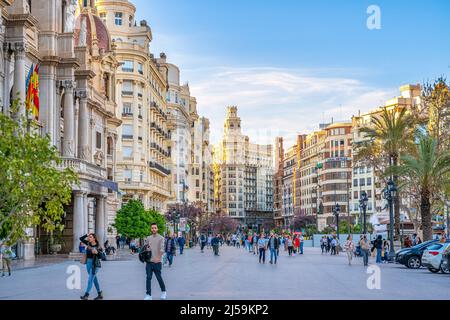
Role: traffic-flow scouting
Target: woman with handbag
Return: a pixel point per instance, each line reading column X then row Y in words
column 92, row 258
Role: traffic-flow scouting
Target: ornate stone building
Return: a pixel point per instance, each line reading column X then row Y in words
column 244, row 176
column 143, row 149
column 77, row 97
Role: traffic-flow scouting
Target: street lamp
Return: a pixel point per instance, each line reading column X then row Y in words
column 336, row 211
column 363, row 205
column 389, row 194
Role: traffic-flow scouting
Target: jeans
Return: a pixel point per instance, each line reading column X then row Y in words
column 365, row 254
column 203, row 244
column 379, row 255
column 181, row 248
column 301, row 247
column 216, row 250
column 273, row 253
column 322, row 247
column 169, row 257
column 92, row 279
column 290, row 249
column 262, row 254
column 151, row 268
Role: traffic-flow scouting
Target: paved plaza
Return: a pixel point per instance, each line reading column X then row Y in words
column 234, row 275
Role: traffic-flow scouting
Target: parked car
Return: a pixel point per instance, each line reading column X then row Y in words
column 412, row 257
column 432, row 257
column 446, row 259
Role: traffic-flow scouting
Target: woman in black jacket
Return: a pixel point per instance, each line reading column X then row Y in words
column 93, row 251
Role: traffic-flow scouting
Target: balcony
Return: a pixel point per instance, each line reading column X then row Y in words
column 127, row 93
column 124, row 69
column 83, row 167
column 158, row 167
column 127, row 137
column 127, row 114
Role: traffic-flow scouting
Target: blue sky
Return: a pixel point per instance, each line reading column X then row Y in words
column 290, row 64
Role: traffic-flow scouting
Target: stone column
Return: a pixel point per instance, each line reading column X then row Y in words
column 69, row 120
column 84, row 151
column 19, row 76
column 100, row 225
column 6, row 80
column 78, row 219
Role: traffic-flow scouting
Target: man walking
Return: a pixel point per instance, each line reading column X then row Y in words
column 202, row 242
column 302, row 242
column 181, row 243
column 155, row 244
column 274, row 245
column 215, row 245
column 170, row 248
column 365, row 247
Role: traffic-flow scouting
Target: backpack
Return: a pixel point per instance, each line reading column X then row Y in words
column 144, row 255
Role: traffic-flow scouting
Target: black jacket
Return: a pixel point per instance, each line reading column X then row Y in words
column 277, row 243
column 172, row 248
column 90, row 255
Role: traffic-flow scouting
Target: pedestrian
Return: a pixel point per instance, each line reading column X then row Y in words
column 329, row 239
column 118, row 242
column 155, row 245
column 81, row 247
column 6, row 255
column 93, row 264
column 408, row 242
column 333, row 245
column 378, row 245
column 349, row 247
column 255, row 244
column 290, row 245
column 274, row 245
column 203, row 242
column 262, row 246
column 215, row 243
column 209, row 246
column 296, row 244
column 418, row 240
column 181, row 243
column 365, row 247
column 323, row 244
column 302, row 243
column 385, row 253
column 132, row 246
column 170, row 248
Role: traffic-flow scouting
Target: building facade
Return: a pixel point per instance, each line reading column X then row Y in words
column 143, row 148
column 243, row 175
column 77, row 67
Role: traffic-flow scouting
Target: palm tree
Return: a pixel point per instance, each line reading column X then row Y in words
column 389, row 135
column 427, row 168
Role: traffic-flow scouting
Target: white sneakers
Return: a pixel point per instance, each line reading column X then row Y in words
column 163, row 296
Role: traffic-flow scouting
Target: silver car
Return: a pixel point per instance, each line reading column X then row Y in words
column 432, row 258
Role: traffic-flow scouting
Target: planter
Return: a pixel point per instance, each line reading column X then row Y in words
column 55, row 248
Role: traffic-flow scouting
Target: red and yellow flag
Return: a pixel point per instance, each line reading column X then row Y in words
column 32, row 99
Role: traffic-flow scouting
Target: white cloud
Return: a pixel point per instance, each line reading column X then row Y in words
column 274, row 101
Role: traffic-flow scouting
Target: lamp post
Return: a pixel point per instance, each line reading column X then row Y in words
column 336, row 211
column 363, row 205
column 389, row 194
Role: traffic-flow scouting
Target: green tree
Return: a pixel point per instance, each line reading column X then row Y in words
column 428, row 169
column 33, row 191
column 133, row 221
column 390, row 134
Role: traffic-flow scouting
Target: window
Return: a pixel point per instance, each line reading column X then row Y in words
column 98, row 140
column 141, row 176
column 369, row 181
column 118, row 18
column 127, row 175
column 127, row 87
column 362, row 182
column 127, row 109
column 369, row 193
column 127, row 66
column 361, row 170
column 355, row 182
column 355, row 194
column 140, row 68
column 197, row 195
column 103, row 16
column 130, row 22
column 127, row 152
column 127, row 131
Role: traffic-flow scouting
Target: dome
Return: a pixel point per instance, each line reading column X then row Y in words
column 95, row 31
